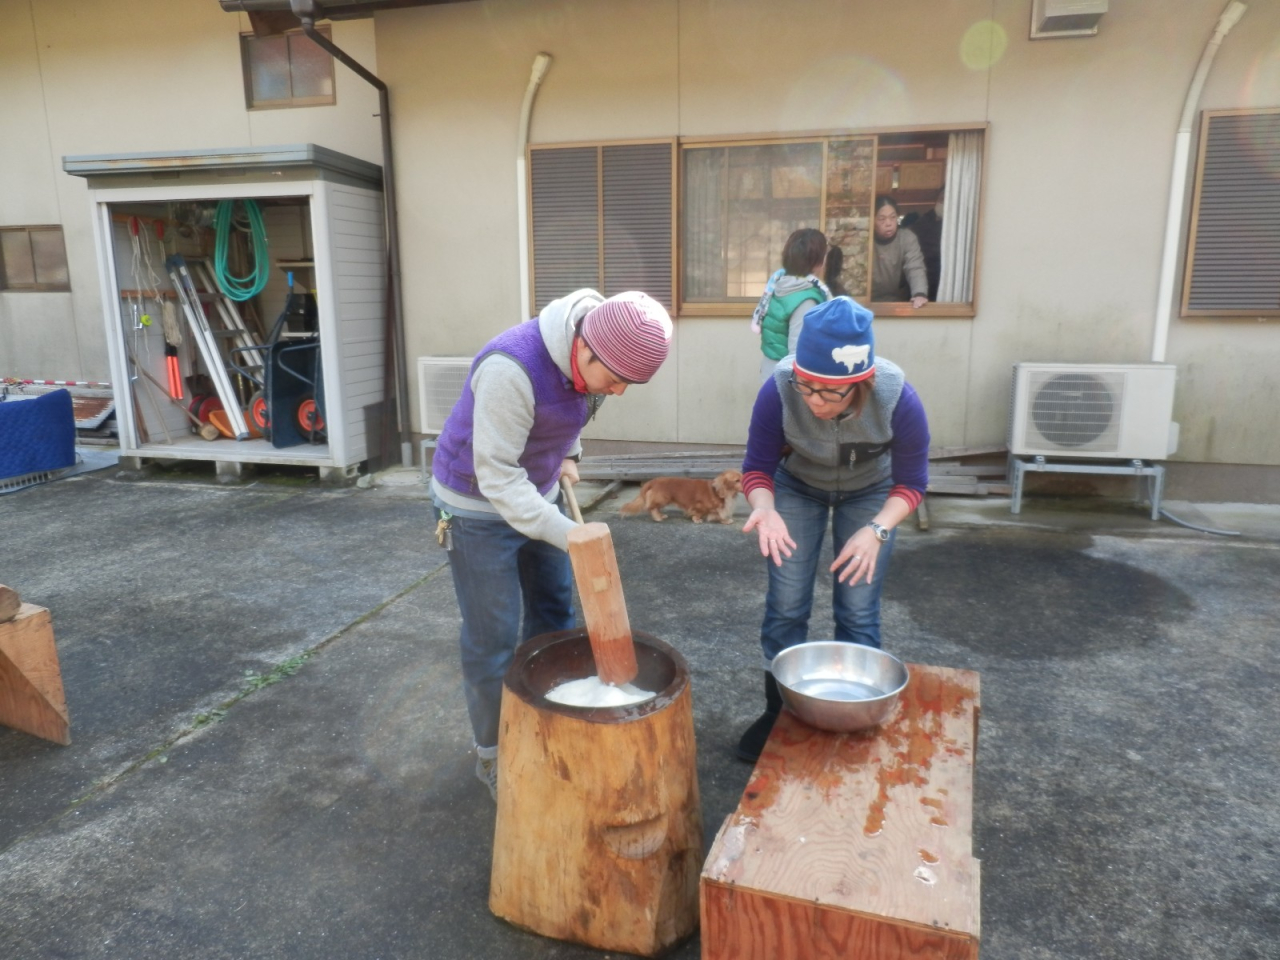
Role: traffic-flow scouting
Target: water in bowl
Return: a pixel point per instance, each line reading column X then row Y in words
column 834, row 688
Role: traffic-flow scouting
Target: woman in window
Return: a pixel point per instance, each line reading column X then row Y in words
column 838, row 438
column 790, row 293
column 899, row 268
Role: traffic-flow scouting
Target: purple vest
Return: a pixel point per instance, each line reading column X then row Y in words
column 560, row 413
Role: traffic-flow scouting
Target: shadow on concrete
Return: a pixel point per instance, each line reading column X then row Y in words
column 271, row 757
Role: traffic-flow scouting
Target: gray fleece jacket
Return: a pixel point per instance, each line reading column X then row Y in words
column 504, row 412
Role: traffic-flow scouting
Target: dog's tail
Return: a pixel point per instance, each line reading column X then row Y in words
column 637, row 505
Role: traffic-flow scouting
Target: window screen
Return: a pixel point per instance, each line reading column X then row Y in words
column 1234, row 257
column 601, row 217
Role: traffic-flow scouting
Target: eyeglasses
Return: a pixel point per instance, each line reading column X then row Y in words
column 832, row 396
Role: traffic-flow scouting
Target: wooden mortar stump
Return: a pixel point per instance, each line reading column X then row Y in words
column 598, row 837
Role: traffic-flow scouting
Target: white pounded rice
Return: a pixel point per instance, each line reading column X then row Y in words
column 592, row 692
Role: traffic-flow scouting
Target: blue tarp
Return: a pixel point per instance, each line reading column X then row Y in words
column 37, row 435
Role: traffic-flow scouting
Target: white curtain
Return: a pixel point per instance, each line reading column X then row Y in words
column 960, row 217
column 705, row 252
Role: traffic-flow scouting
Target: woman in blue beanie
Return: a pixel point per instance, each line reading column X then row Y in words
column 838, row 438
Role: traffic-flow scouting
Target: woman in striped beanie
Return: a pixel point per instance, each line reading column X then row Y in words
column 495, row 477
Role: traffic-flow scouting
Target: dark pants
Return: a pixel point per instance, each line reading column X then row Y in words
column 502, row 577
column 808, row 512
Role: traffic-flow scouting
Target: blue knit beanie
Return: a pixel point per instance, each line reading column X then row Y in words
column 836, row 344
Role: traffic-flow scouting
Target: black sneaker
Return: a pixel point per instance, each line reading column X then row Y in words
column 754, row 739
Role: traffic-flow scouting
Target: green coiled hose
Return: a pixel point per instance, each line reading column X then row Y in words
column 240, row 288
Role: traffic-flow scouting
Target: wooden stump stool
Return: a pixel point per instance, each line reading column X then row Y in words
column 31, row 698
column 855, row 844
column 599, row 832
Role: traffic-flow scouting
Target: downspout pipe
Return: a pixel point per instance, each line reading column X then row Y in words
column 305, row 11
column 541, row 63
column 1178, row 187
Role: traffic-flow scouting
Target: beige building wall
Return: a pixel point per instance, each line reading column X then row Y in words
column 1079, row 158
column 93, row 78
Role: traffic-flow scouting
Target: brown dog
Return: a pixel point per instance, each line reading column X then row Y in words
column 699, row 499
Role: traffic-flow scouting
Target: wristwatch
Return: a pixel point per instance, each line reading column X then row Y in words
column 882, row 533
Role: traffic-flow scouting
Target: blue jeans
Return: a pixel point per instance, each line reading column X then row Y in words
column 501, row 577
column 789, row 602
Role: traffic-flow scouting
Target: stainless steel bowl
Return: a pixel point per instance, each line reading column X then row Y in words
column 839, row 686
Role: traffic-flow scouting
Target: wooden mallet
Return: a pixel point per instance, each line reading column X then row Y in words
column 595, row 569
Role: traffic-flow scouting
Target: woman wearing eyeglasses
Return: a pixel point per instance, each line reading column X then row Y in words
column 838, row 438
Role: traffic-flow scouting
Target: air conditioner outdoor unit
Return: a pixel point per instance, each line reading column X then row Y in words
column 440, row 382
column 1094, row 411
column 1065, row 18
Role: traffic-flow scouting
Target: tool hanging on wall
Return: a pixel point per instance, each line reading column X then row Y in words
column 137, row 305
column 203, row 336
column 240, row 288
column 174, row 371
column 168, row 313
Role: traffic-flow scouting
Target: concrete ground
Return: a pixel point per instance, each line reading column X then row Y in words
column 270, row 754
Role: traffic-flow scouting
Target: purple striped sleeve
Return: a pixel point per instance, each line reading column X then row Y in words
column 909, row 449
column 765, row 439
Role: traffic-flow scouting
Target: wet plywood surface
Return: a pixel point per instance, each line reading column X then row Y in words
column 876, row 824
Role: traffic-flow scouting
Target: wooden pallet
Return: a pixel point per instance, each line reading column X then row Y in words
column 953, row 479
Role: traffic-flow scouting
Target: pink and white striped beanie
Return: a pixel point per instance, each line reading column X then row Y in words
column 630, row 333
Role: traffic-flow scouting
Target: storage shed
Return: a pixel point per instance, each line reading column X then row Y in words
column 267, row 266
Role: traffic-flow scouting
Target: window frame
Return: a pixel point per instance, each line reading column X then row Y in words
column 8, row 286
column 743, row 308
column 738, row 308
column 1193, row 224
column 732, row 308
column 601, row 254
column 246, row 70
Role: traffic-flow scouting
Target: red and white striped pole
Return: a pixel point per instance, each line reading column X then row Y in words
column 10, row 381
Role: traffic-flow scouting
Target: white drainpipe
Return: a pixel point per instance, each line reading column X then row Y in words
column 1178, row 188
column 541, row 63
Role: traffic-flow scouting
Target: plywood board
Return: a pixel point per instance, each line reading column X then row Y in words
column 857, row 841
column 31, row 696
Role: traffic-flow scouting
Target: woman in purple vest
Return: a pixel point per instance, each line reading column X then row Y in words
column 511, row 436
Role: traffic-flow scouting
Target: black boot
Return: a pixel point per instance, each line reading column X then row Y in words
column 753, row 740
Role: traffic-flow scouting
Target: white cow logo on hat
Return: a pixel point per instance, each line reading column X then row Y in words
column 851, row 356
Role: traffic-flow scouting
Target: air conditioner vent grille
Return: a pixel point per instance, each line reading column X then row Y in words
column 1077, row 409
column 440, row 383
column 1110, row 411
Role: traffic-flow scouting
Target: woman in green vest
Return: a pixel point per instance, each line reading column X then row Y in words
column 790, row 293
